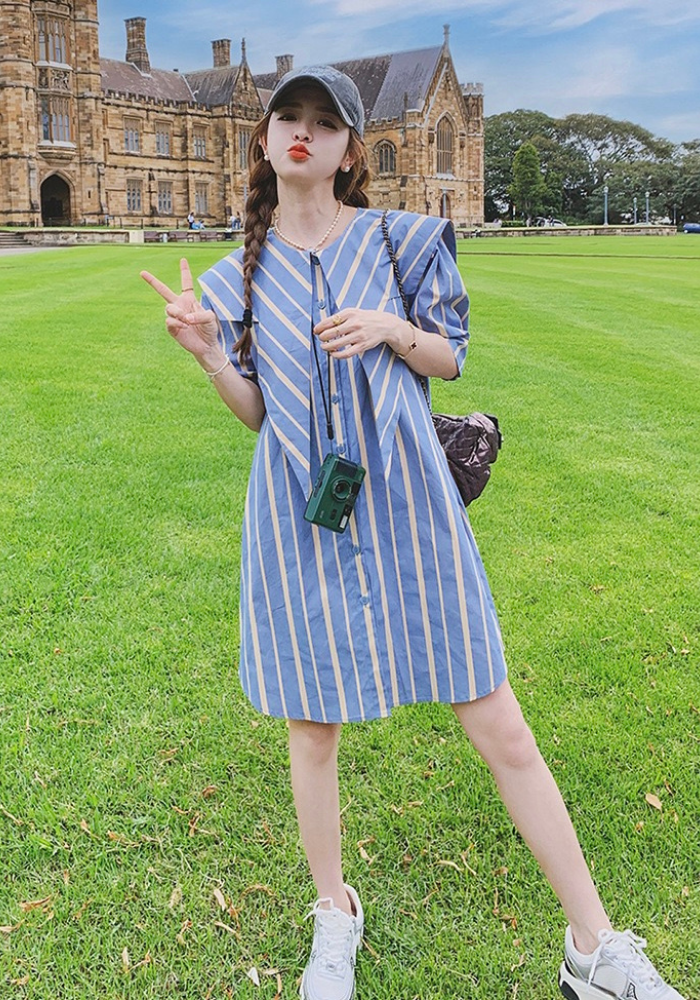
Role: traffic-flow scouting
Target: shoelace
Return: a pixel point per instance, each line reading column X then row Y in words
column 333, row 939
column 628, row 951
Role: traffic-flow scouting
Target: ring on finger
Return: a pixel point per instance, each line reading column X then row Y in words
column 337, row 320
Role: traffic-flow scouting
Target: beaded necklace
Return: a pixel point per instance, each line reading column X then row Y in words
column 297, row 246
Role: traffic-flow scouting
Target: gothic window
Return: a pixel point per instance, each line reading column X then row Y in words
column 55, row 119
column 445, row 147
column 243, row 140
column 165, row 198
column 52, row 39
column 201, row 200
column 386, row 158
column 132, row 135
column 162, row 139
column 134, row 196
column 200, row 144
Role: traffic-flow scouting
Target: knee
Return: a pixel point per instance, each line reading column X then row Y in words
column 496, row 727
column 511, row 746
column 317, row 741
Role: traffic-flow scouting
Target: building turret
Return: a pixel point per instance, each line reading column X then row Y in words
column 284, row 65
column 136, row 51
column 222, row 52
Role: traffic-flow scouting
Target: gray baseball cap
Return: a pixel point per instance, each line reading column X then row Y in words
column 339, row 87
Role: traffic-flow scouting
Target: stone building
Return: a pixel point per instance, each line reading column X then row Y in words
column 84, row 139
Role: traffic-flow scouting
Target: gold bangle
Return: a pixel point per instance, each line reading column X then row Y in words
column 412, row 346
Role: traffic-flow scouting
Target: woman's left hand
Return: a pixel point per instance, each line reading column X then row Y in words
column 353, row 331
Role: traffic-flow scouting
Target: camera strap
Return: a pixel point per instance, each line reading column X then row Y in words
column 326, row 402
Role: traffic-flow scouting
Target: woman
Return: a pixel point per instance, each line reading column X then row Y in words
column 304, row 336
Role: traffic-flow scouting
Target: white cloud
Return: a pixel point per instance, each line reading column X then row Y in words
column 684, row 125
column 620, row 71
column 562, row 15
column 546, row 15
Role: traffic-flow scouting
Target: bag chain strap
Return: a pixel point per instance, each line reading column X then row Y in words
column 402, row 292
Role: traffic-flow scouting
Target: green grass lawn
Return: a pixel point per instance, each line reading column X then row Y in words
column 148, row 840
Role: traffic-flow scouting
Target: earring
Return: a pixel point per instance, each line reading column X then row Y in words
column 266, row 156
column 346, row 169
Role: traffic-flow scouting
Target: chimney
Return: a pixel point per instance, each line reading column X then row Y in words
column 222, row 52
column 284, row 64
column 136, row 51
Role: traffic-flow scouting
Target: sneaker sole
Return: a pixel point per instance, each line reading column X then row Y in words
column 304, row 996
column 574, row 988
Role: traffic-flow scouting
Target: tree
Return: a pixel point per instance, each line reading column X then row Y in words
column 603, row 141
column 578, row 155
column 503, row 136
column 688, row 187
column 528, row 189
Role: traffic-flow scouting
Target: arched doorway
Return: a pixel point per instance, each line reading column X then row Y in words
column 445, row 205
column 55, row 202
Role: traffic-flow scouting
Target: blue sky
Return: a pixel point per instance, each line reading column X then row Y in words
column 630, row 59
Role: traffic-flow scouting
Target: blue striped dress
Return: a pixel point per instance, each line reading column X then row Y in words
column 397, row 609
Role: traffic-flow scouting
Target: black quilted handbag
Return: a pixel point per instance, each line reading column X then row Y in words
column 471, row 443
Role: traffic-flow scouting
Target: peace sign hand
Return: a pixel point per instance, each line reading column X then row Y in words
column 196, row 329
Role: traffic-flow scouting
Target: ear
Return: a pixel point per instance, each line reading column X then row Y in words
column 263, row 146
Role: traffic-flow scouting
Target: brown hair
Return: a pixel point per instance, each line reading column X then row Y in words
column 262, row 201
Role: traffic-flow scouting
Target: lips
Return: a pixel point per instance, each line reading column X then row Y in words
column 299, row 152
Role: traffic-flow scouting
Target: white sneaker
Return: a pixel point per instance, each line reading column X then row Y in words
column 618, row 970
column 330, row 972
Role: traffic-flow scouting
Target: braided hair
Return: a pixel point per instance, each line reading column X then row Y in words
column 262, row 201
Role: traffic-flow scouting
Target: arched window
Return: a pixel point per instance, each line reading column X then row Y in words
column 445, row 146
column 386, row 157
column 52, row 39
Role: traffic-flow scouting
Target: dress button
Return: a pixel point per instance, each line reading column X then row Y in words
column 341, row 449
column 364, row 600
column 322, row 304
column 335, row 398
column 356, row 550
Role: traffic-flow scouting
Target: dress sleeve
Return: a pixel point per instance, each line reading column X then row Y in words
column 441, row 304
column 230, row 332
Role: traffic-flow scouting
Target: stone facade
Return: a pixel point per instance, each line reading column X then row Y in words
column 84, row 139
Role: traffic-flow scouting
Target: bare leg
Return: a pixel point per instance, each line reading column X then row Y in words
column 313, row 750
column 496, row 727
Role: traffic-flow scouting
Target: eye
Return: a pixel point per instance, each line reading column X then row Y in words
column 328, row 123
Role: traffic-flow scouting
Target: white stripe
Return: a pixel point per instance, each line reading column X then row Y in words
column 418, row 560
column 302, row 592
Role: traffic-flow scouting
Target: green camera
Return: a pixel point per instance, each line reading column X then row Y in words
column 334, row 495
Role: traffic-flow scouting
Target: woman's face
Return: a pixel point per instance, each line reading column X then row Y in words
column 307, row 141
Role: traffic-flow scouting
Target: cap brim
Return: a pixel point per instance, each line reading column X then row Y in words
column 277, row 96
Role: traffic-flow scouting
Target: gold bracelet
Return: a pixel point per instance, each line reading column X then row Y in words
column 412, row 346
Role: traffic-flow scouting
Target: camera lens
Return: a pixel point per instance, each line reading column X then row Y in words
column 341, row 489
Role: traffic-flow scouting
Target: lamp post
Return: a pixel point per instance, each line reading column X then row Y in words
column 635, row 210
column 605, row 210
column 646, row 195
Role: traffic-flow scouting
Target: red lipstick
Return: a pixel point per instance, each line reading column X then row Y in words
column 299, row 152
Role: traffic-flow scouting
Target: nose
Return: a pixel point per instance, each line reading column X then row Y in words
column 302, row 132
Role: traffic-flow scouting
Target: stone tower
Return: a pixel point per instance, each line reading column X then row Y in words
column 51, row 148
column 18, row 114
